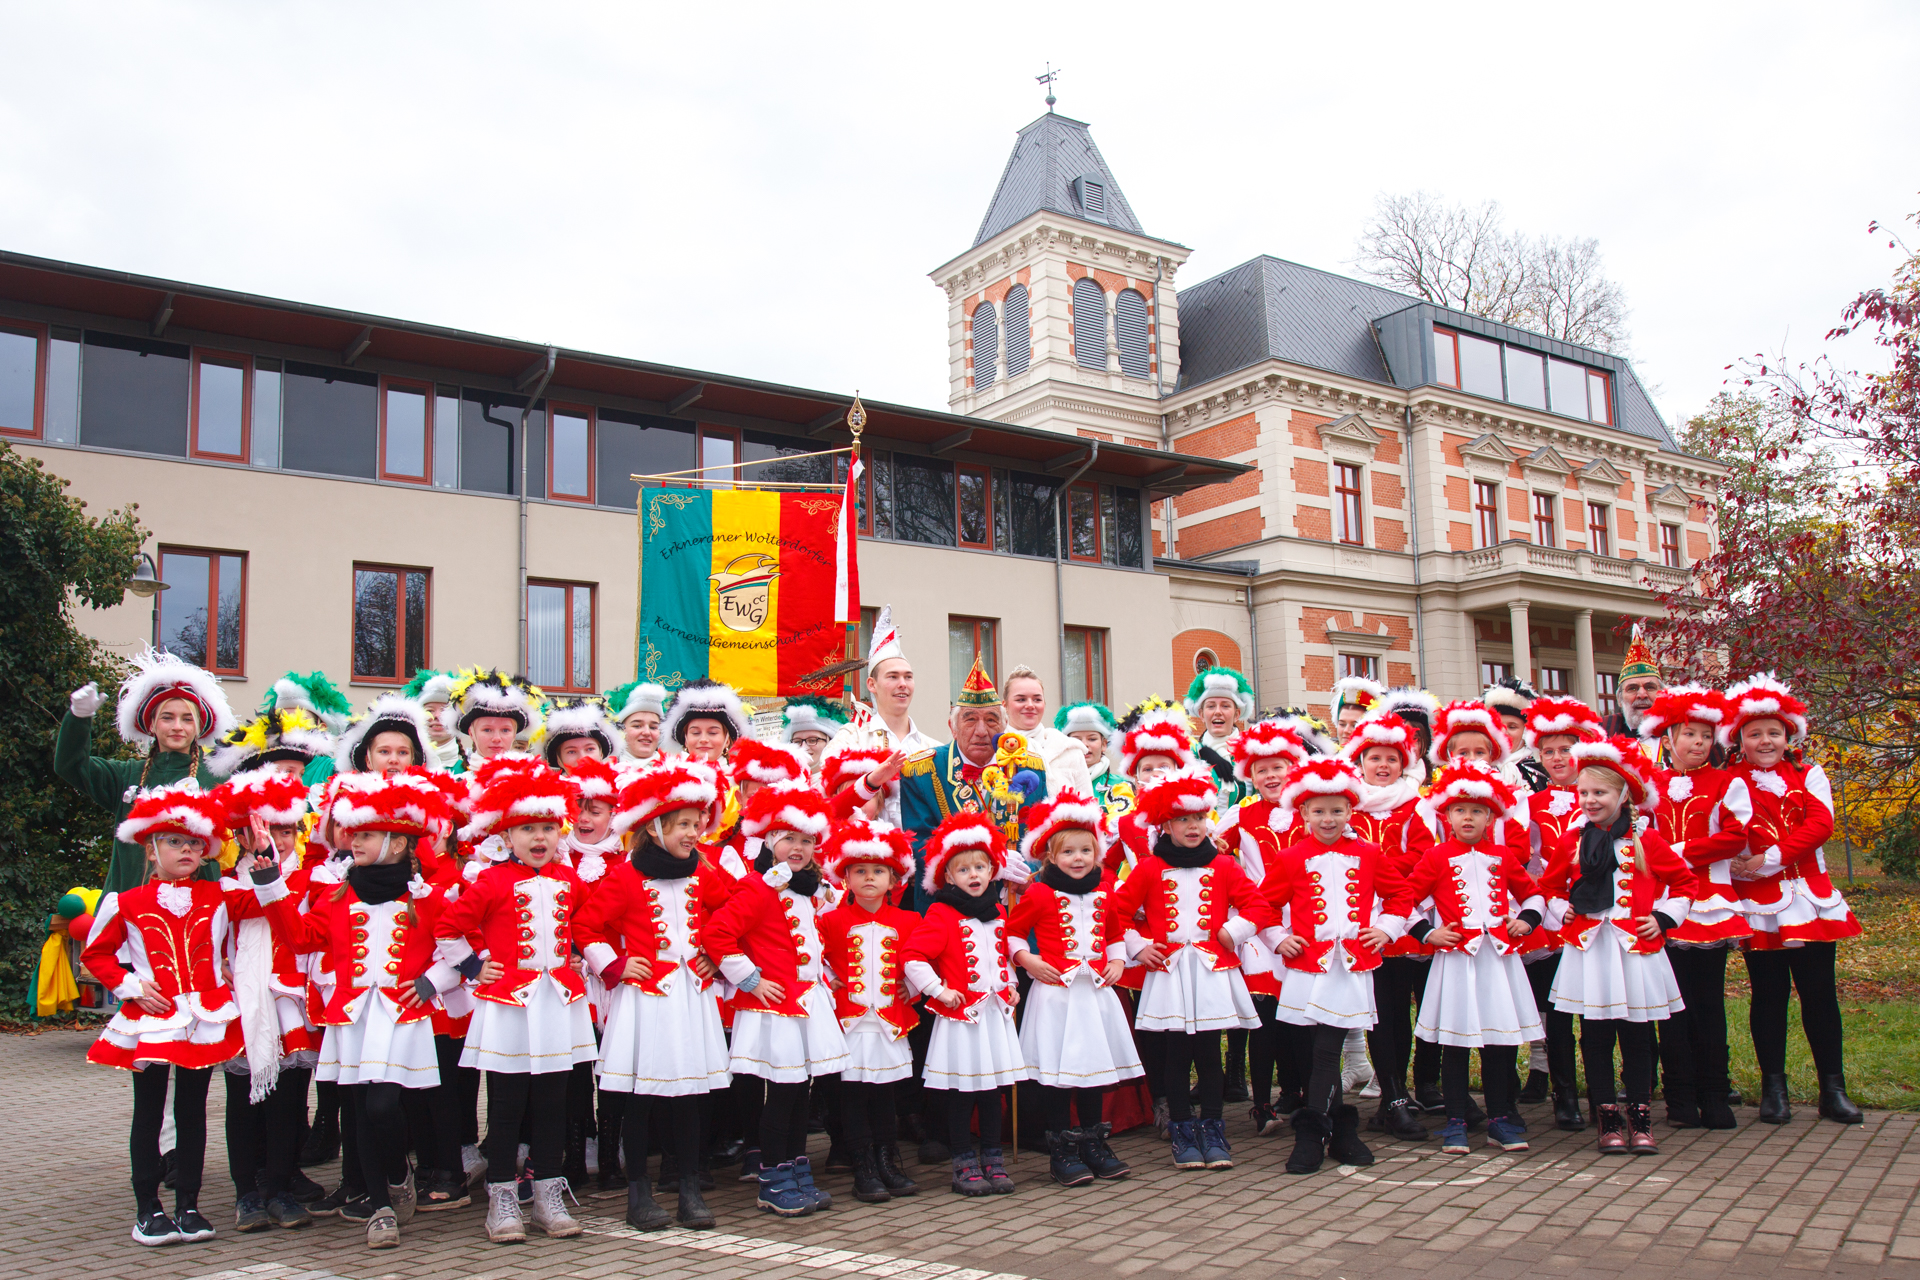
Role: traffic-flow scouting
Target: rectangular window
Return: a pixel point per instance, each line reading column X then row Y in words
column 719, row 447
column 1670, row 546
column 21, row 383
column 263, row 415
column 1606, row 687
column 1526, row 378
column 967, row 639
column 1083, row 523
column 1556, row 680
column 203, row 611
column 135, row 394
column 221, row 406
column 406, row 412
column 570, row 454
column 975, row 489
column 1364, row 665
column 880, row 486
column 1543, row 520
column 636, row 444
column 1599, row 403
column 1486, row 510
column 1446, row 358
column 1569, row 385
column 924, row 505
column 1035, row 506
column 60, row 411
column 1128, row 550
column 768, row 457
column 487, row 456
column 389, row 623
column 1480, row 367
column 1518, row 376
column 330, row 421
column 1599, row 535
column 1086, row 665
column 1492, row 673
column 560, row 636
column 1346, row 492
column 869, row 619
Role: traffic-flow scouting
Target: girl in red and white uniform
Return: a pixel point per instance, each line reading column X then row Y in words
column 1074, row 1035
column 1331, row 885
column 750, row 765
column 158, row 948
column 375, row 932
column 1796, row 912
column 1554, row 726
column 1614, row 892
column 1702, row 814
column 958, row 959
column 1486, row 907
column 531, row 1023
column 865, row 939
column 862, row 780
column 1200, row 908
column 663, row 1049
column 766, row 940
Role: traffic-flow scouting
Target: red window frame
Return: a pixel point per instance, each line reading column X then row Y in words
column 959, row 526
column 1092, row 639
column 593, row 434
column 39, row 334
column 1599, row 533
column 1486, row 507
column 1352, row 513
column 573, row 686
column 1670, row 546
column 1606, row 396
column 1557, row 680
column 1492, row 673
column 400, row 628
column 226, row 359
column 990, row 654
column 700, row 436
column 428, row 393
column 213, row 554
column 1090, row 493
column 1452, row 339
column 1364, row 665
column 1546, row 525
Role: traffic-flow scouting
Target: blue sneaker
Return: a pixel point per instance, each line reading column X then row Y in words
column 1213, row 1144
column 779, row 1194
column 1504, row 1133
column 1184, row 1137
column 1453, row 1137
column 803, row 1179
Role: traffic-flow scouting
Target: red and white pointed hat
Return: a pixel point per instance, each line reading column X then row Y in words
column 178, row 808
column 1622, row 757
column 1322, row 776
column 1070, row 810
column 962, row 833
column 857, row 839
column 1468, row 717
column 1549, row 717
column 678, row 782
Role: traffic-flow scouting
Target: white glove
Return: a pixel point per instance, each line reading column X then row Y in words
column 86, row 700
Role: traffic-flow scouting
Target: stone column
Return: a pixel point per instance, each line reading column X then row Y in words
column 1583, row 681
column 1469, row 656
column 1522, row 640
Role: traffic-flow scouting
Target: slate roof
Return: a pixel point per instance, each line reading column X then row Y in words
column 1048, row 155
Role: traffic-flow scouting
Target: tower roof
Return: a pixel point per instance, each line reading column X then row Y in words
column 1056, row 167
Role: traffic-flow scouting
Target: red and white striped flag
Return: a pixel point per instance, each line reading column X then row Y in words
column 846, row 551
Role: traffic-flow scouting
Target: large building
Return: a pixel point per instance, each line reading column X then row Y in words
column 1279, row 469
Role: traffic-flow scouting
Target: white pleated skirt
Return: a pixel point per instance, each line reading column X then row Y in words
column 873, row 1055
column 669, row 1046
column 1478, row 999
column 1190, row 996
column 545, row 1034
column 1340, row 997
column 1607, row 979
column 788, row 1050
column 1076, row 1036
column 976, row 1056
column 376, row 1048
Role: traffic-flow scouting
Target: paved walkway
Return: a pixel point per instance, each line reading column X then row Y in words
column 1807, row 1198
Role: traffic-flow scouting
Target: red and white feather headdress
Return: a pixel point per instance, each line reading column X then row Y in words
column 597, row 779
column 1322, row 776
column 1471, row 782
column 1548, row 717
column 1266, row 740
column 179, row 808
column 678, row 783
column 1162, row 732
column 517, row 797
column 1189, row 789
column 856, row 840
column 1384, row 730
column 1679, row 704
column 751, row 760
column 843, row 766
column 1070, row 810
column 405, row 803
column 279, row 798
column 1468, row 717
column 962, row 833
column 787, row 806
column 1763, row 696
column 1622, row 757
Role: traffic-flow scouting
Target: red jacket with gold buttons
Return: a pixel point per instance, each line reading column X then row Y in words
column 1313, row 903
column 624, row 914
column 365, row 949
column 499, row 906
column 757, row 922
column 1441, row 876
column 848, row 955
column 943, row 941
column 1223, row 887
column 1047, row 914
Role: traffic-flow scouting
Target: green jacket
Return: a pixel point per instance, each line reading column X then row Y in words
column 106, row 782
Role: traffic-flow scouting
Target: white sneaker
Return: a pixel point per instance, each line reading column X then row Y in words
column 1356, row 1069
column 550, row 1216
column 403, row 1200
column 474, row 1165
column 383, row 1230
column 504, row 1224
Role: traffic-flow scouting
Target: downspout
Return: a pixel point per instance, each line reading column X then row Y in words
column 1059, row 557
column 539, row 388
column 1253, row 638
column 1413, row 515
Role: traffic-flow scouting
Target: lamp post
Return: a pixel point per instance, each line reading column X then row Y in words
column 146, row 584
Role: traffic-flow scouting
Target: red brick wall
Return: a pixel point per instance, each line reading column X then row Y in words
column 1109, row 281
column 1388, row 450
column 1310, row 476
column 1459, row 536
column 1626, row 532
column 1101, row 436
column 1245, row 485
column 1457, row 491
column 1399, row 674
column 1314, row 620
column 1215, row 535
column 1450, row 449
column 1389, row 535
column 1313, row 522
column 1188, row 643
column 1387, row 491
column 1317, row 674
column 1222, row 439
column 1399, row 627
column 1573, row 522
column 1306, row 429
column 1520, row 512
column 1699, row 545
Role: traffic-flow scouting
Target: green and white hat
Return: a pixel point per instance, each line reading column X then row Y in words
column 1086, row 717
column 811, row 715
column 313, row 693
column 635, row 696
column 1220, row 682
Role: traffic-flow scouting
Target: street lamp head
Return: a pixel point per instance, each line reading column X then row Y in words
column 145, row 582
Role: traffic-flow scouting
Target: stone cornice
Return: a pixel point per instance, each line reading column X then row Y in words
column 1107, row 248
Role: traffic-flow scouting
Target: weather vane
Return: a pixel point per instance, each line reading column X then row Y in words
column 1048, row 80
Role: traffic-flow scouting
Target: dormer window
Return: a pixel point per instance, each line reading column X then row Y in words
column 1501, row 371
column 1090, row 193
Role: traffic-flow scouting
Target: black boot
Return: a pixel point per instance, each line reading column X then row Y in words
column 1396, row 1119
column 692, row 1211
column 608, row 1144
column 1428, row 1098
column 1773, row 1098
column 1683, row 1104
column 1566, row 1111
column 1535, row 1090
column 867, row 1185
column 1098, row 1156
column 1310, row 1131
column 323, row 1141
column 839, row 1159
column 1343, row 1140
column 1064, row 1165
column 1714, row 1111
column 887, row 1159
column 573, row 1167
column 643, row 1212
column 1835, row 1105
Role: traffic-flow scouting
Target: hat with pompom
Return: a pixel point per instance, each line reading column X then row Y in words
column 751, row 760
column 1550, row 717
column 962, row 833
column 1159, row 731
column 1267, row 740
column 678, row 783
column 180, row 809
column 787, row 806
column 1763, row 696
column 856, row 840
column 1322, row 776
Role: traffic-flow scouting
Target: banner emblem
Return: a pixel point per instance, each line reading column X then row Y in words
column 743, row 587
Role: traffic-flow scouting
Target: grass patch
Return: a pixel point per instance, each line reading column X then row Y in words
column 1882, row 1044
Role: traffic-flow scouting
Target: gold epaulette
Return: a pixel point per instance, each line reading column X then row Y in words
column 918, row 765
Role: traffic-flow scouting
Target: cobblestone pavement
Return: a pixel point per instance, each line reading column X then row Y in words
column 1808, row 1197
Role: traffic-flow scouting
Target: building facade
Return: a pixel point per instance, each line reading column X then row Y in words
column 1430, row 497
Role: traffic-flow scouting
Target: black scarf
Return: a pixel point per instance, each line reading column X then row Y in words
column 1592, row 893
column 1174, row 856
column 984, row 906
column 380, row 883
column 655, row 863
column 1054, row 878
column 805, row 882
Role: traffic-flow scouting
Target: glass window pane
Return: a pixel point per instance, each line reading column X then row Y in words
column 416, row 624
column 1480, row 366
column 546, row 635
column 222, row 403
column 882, row 482
column 1083, row 528
column 227, row 633
column 19, row 380
column 1126, row 524
column 756, row 447
column 406, row 432
column 571, row 435
column 717, row 451
column 266, row 416
column 376, row 617
column 63, row 390
column 960, row 634
column 1526, row 378
column 1076, row 672
column 135, row 395
column 446, row 438
column 486, row 443
column 1096, row 666
column 634, row 444
column 1444, row 371
column 1569, row 388
column 923, row 493
column 1034, row 502
column 331, row 421
column 583, row 637
column 973, row 507
column 1109, row 544
column 184, row 620
column 1002, row 510
column 990, row 648
column 1597, row 397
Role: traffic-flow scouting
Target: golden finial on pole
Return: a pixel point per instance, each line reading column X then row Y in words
column 857, row 421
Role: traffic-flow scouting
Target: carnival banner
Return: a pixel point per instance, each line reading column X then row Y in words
column 740, row 586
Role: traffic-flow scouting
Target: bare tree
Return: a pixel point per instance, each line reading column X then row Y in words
column 1569, row 297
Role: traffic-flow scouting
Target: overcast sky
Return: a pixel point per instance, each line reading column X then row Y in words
column 762, row 189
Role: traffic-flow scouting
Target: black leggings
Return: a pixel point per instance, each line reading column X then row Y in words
column 1390, row 1043
column 1810, row 970
column 1693, row 1043
column 382, row 1116
column 783, row 1122
column 1153, row 1057
column 1060, row 1106
column 867, row 1115
column 263, row 1138
column 747, row 1096
column 1196, row 1054
column 449, row 1113
column 680, row 1116
column 1495, row 1079
column 1559, row 1026
column 540, row 1098
column 1319, row 1047
column 960, row 1109
column 189, row 1130
column 1597, row 1036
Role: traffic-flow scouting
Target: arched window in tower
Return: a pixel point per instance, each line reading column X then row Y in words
column 986, row 346
column 1018, row 325
column 1089, row 323
column 1130, row 332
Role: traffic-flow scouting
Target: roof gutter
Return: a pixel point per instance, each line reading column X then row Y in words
column 1059, row 560
column 539, row 388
